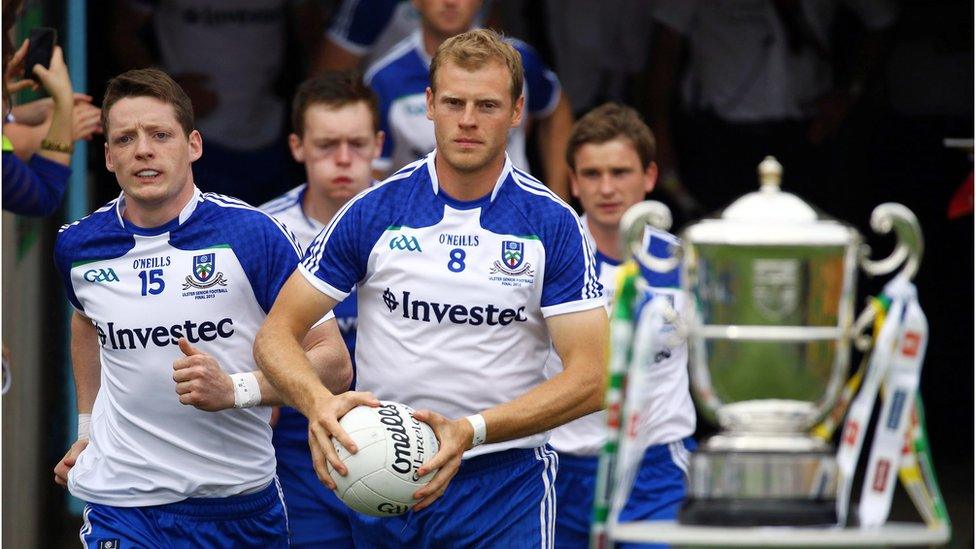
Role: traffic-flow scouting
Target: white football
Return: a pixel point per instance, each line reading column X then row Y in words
column 382, row 474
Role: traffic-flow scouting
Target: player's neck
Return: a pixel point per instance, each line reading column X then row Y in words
column 151, row 215
column 431, row 40
column 463, row 185
column 318, row 206
column 607, row 239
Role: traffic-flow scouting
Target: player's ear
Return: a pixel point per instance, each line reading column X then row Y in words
column 295, row 144
column 109, row 165
column 196, row 145
column 429, row 94
column 650, row 177
column 573, row 183
column 517, row 114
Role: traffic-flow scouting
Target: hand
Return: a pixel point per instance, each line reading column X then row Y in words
column 55, row 79
column 86, row 121
column 15, row 67
column 453, row 438
column 323, row 424
column 68, row 461
column 200, row 381
column 197, row 88
column 275, row 416
column 38, row 112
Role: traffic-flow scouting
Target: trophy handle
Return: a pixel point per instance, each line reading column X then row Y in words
column 908, row 250
column 632, row 224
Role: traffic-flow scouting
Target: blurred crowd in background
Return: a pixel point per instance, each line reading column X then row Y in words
column 854, row 97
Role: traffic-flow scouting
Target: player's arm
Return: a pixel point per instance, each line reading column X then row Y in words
column 580, row 339
column 279, row 354
column 553, row 135
column 87, row 369
column 202, row 382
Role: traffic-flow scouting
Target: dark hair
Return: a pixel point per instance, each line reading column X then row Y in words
column 149, row 83
column 334, row 89
column 606, row 123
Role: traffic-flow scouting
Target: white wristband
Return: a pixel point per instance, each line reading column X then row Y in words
column 84, row 426
column 477, row 422
column 247, row 391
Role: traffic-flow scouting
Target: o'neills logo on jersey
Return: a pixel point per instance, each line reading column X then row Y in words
column 162, row 336
column 432, row 311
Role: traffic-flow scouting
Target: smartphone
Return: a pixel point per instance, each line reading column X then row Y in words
column 40, row 50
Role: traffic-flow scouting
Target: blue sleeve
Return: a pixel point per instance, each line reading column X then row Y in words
column 266, row 249
column 336, row 260
column 541, row 83
column 358, row 23
column 282, row 256
column 570, row 272
column 62, row 263
column 35, row 188
column 660, row 245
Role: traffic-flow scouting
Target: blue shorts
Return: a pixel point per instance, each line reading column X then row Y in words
column 503, row 499
column 316, row 516
column 255, row 520
column 658, row 491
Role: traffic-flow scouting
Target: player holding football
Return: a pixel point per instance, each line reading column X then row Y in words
column 611, row 160
column 169, row 287
column 468, row 272
column 336, row 136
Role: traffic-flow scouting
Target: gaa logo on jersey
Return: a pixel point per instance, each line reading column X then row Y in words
column 513, row 261
column 204, row 274
column 101, row 275
column 405, row 243
column 109, row 543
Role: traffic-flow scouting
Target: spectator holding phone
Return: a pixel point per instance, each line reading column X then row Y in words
column 37, row 186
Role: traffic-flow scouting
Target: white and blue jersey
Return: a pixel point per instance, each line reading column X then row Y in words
column 210, row 275
column 453, row 295
column 400, row 79
column 287, row 208
column 670, row 416
column 371, row 28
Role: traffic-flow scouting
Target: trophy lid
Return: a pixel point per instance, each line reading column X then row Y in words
column 771, row 217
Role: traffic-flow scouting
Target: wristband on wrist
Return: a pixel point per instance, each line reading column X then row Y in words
column 84, row 426
column 247, row 391
column 54, row 146
column 477, row 422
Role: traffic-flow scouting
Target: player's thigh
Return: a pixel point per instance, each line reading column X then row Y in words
column 316, row 517
column 106, row 527
column 510, row 503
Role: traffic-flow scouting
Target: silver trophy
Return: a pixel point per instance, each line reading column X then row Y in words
column 771, row 290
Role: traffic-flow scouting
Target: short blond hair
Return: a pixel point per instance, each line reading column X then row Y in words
column 476, row 48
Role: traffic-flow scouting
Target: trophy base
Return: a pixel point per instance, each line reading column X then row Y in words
column 761, row 487
column 757, row 512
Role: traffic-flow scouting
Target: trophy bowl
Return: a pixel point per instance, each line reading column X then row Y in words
column 770, row 284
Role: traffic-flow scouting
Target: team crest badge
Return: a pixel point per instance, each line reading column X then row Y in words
column 205, row 273
column 203, row 266
column 512, row 261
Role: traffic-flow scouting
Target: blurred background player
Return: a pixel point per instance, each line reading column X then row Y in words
column 400, row 77
column 229, row 56
column 468, row 272
column 361, row 31
column 336, row 136
column 169, row 285
column 611, row 160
